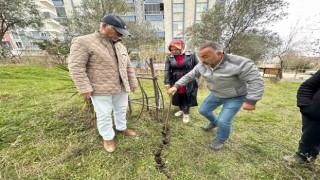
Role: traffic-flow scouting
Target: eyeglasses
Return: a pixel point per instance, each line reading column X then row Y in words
column 118, row 34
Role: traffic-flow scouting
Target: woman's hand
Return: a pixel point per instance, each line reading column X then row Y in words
column 167, row 86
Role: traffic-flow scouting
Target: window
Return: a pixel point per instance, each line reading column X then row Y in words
column 202, row 7
column 177, row 1
column 158, row 25
column 177, row 34
column 177, row 8
column 43, row 34
column 61, row 12
column 153, row 8
column 19, row 45
column 28, row 34
column 177, row 12
column 177, row 26
column 58, row 2
column 32, row 44
column 15, row 35
column 6, row 45
column 177, row 17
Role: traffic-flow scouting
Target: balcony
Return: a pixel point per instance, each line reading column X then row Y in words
column 53, row 22
column 154, row 17
column 54, row 33
column 47, row 3
column 153, row 1
column 49, row 15
column 129, row 18
column 58, row 3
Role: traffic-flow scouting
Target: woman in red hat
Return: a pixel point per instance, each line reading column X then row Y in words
column 179, row 63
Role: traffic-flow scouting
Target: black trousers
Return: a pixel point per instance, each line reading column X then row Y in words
column 309, row 143
column 184, row 104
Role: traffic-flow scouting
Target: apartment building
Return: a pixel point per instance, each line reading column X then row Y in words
column 147, row 10
column 181, row 14
column 25, row 39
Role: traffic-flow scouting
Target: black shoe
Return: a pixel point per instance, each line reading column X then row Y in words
column 216, row 145
column 209, row 126
column 296, row 159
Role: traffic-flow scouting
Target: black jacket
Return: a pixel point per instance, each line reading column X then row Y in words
column 308, row 97
column 173, row 73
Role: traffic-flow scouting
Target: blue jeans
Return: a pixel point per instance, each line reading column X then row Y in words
column 231, row 107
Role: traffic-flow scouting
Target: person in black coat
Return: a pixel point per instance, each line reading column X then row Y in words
column 179, row 63
column 308, row 100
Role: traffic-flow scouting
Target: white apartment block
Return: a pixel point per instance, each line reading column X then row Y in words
column 24, row 40
column 181, row 14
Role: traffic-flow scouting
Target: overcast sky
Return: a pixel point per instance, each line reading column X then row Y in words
column 307, row 12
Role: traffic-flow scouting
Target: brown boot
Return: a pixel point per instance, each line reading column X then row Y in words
column 128, row 132
column 109, row 145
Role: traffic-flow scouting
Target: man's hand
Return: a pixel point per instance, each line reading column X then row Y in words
column 171, row 91
column 248, row 107
column 133, row 89
column 87, row 95
column 167, row 86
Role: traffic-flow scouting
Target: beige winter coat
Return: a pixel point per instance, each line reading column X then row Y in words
column 94, row 68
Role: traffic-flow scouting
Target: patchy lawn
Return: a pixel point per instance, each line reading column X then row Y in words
column 43, row 136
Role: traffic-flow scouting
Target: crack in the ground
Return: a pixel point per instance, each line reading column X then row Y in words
column 158, row 156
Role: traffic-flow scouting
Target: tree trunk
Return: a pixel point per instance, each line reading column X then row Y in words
column 281, row 68
column 296, row 72
column 1, row 36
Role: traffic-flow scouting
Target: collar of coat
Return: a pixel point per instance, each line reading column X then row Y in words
column 97, row 34
column 187, row 53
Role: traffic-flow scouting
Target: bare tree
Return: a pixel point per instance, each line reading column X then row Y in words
column 294, row 42
column 297, row 61
column 235, row 19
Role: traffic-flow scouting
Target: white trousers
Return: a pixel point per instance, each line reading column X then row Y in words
column 103, row 106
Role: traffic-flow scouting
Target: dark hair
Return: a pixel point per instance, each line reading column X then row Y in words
column 211, row 44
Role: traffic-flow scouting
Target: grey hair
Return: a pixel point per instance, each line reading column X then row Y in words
column 214, row 45
column 102, row 23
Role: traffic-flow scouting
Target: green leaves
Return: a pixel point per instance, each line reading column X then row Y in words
column 57, row 49
column 86, row 17
column 239, row 23
column 19, row 14
column 142, row 34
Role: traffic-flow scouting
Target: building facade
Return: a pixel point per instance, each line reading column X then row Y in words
column 23, row 41
column 181, row 14
column 64, row 9
column 171, row 18
column 147, row 10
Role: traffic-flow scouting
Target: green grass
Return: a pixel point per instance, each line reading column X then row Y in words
column 42, row 136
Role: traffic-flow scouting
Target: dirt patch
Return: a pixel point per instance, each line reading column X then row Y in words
column 158, row 155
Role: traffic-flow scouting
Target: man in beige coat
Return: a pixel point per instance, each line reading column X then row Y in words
column 101, row 69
